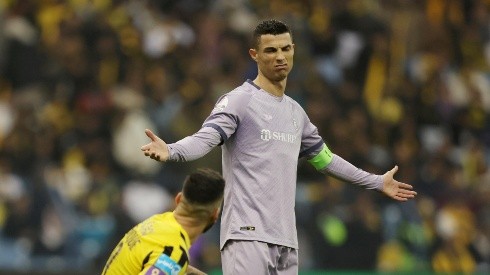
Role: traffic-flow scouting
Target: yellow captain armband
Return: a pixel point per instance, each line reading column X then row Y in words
column 323, row 158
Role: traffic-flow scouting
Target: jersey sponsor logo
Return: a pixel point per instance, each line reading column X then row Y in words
column 247, row 228
column 267, row 135
column 221, row 105
column 132, row 238
column 167, row 265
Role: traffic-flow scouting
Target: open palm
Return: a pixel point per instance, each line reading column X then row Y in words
column 396, row 190
column 157, row 149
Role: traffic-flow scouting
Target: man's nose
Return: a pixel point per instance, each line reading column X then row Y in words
column 280, row 56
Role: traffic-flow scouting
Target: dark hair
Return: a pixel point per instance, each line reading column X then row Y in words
column 203, row 186
column 270, row 26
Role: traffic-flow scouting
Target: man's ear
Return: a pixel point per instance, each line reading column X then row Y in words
column 253, row 54
column 178, row 198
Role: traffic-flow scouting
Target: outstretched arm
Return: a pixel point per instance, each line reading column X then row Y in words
column 157, row 149
column 328, row 163
column 186, row 149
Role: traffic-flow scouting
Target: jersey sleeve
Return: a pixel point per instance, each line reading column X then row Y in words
column 319, row 155
column 195, row 146
column 344, row 170
column 225, row 117
column 311, row 142
column 216, row 129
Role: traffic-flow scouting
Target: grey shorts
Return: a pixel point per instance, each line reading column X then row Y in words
column 254, row 257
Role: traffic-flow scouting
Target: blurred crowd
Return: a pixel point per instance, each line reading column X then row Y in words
column 387, row 82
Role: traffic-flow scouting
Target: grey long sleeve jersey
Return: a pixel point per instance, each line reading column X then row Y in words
column 262, row 138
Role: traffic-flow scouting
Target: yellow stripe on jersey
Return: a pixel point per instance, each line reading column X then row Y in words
column 158, row 245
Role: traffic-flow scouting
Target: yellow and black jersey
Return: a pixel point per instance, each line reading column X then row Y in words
column 156, row 246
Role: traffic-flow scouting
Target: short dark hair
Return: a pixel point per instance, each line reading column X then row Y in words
column 204, row 186
column 270, row 26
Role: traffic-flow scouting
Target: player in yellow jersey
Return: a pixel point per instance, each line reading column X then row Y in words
column 160, row 244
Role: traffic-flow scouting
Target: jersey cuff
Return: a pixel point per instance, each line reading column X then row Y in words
column 220, row 131
column 323, row 158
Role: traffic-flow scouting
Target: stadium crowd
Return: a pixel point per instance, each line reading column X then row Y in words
column 386, row 82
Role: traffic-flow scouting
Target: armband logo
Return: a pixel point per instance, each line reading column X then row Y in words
column 167, row 265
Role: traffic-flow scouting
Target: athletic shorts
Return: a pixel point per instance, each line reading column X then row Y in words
column 253, row 257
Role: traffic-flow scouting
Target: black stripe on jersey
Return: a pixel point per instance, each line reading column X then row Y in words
column 114, row 254
column 184, row 258
column 220, row 131
column 312, row 149
column 253, row 84
column 145, row 260
column 167, row 250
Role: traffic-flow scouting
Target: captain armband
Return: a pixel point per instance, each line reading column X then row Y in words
column 323, row 158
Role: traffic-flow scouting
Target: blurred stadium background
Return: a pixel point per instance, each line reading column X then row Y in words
column 386, row 81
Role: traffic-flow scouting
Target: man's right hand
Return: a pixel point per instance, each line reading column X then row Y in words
column 157, row 149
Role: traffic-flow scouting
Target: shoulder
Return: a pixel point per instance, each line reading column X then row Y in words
column 164, row 221
column 167, row 228
column 235, row 99
column 244, row 91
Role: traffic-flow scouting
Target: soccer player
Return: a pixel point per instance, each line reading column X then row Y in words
column 263, row 132
column 160, row 244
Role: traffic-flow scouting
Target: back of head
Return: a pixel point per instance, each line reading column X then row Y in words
column 203, row 187
column 270, row 26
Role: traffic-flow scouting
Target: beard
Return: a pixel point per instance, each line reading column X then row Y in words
column 274, row 75
column 278, row 76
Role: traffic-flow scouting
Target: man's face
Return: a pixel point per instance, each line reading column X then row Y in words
column 274, row 56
